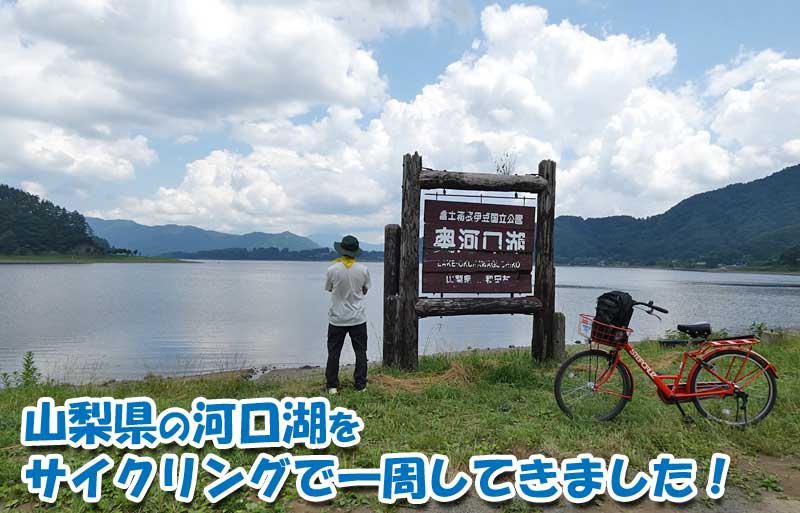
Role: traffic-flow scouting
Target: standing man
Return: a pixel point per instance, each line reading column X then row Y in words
column 348, row 282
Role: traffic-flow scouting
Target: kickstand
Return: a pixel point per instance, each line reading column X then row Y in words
column 688, row 419
column 742, row 406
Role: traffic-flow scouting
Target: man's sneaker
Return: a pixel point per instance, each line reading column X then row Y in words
column 362, row 389
column 333, row 391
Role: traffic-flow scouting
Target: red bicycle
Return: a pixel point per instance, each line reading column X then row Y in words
column 728, row 381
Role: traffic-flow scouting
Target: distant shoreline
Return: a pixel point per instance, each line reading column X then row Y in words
column 740, row 269
column 70, row 259
column 755, row 269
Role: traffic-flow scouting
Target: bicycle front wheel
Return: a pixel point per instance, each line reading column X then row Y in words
column 756, row 388
column 588, row 387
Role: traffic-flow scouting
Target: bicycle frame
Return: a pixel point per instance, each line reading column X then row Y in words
column 677, row 390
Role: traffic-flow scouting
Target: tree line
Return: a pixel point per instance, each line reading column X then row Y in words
column 32, row 226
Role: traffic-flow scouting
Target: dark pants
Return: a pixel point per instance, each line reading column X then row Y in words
column 358, row 336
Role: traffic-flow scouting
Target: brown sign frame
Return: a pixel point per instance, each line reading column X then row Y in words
column 403, row 306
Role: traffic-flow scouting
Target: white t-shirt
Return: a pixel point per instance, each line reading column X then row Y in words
column 346, row 288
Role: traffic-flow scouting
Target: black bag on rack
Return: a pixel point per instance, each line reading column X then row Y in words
column 615, row 308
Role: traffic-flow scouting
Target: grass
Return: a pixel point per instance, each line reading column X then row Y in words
column 767, row 269
column 457, row 405
column 70, row 259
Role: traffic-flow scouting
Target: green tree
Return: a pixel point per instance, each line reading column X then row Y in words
column 30, row 225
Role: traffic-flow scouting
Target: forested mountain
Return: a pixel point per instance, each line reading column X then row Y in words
column 755, row 222
column 173, row 238
column 30, row 226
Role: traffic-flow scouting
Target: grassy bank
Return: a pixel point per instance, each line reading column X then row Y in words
column 458, row 405
column 765, row 269
column 68, row 259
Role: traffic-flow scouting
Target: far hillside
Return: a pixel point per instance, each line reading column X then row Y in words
column 30, row 225
column 307, row 255
column 751, row 223
column 173, row 238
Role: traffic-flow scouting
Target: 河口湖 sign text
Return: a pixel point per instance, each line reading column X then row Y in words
column 477, row 247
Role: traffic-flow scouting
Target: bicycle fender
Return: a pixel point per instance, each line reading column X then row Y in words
column 767, row 364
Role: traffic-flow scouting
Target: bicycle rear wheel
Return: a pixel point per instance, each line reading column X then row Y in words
column 756, row 388
column 577, row 394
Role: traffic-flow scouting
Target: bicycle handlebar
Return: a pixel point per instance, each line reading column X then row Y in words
column 651, row 306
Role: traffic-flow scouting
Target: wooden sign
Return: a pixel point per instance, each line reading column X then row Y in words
column 477, row 247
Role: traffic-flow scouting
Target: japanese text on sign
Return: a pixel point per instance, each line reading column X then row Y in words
column 488, row 240
column 478, row 247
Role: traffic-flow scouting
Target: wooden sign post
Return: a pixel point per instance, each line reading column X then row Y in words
column 470, row 247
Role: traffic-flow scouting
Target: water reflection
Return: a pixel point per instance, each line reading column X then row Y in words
column 105, row 321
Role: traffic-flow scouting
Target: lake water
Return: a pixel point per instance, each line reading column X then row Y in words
column 100, row 321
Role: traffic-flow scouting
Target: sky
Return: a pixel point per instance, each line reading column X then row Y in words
column 294, row 115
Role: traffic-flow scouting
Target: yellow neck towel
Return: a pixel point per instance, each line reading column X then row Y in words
column 346, row 260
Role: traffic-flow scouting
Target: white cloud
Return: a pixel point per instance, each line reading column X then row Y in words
column 539, row 89
column 369, row 19
column 792, row 148
column 58, row 112
column 173, row 67
column 744, row 68
column 298, row 178
column 42, row 149
column 58, row 150
column 34, row 188
column 761, row 104
column 535, row 95
column 101, row 74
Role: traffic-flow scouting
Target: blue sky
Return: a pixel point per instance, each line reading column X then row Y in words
column 250, row 117
column 706, row 33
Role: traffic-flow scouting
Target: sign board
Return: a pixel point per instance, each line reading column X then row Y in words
column 477, row 247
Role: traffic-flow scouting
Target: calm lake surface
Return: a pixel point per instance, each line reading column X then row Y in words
column 101, row 321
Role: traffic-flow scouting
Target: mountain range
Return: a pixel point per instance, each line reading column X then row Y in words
column 173, row 238
column 755, row 222
column 745, row 223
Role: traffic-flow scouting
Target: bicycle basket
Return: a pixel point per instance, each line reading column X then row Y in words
column 605, row 334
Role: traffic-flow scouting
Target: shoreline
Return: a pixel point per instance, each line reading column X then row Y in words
column 274, row 373
column 69, row 259
column 75, row 260
column 741, row 269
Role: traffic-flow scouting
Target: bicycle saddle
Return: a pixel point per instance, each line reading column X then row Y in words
column 696, row 330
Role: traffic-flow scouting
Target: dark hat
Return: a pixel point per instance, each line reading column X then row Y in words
column 348, row 246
